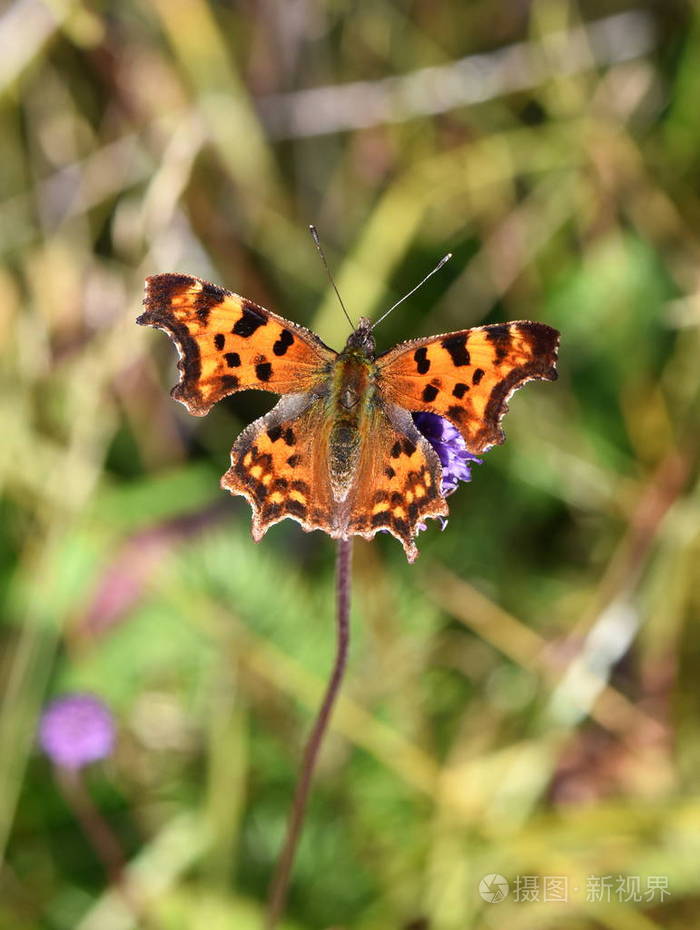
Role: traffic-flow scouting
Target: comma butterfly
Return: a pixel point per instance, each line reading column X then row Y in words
column 340, row 451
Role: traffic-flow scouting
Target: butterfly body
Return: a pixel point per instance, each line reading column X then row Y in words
column 340, row 451
column 352, row 395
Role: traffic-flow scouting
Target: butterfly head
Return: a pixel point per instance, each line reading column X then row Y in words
column 361, row 340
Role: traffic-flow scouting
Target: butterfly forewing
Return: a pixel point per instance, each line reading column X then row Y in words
column 227, row 343
column 468, row 376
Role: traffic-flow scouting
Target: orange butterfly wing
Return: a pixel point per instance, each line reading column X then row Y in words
column 227, row 343
column 468, row 376
column 397, row 486
column 280, row 465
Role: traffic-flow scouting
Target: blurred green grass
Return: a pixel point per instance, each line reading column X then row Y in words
column 521, row 701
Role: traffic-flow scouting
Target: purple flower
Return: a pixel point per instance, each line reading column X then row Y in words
column 76, row 729
column 450, row 447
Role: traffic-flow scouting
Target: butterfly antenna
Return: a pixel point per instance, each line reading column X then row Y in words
column 317, row 241
column 439, row 265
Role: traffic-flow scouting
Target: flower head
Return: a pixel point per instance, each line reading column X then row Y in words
column 447, row 441
column 76, row 729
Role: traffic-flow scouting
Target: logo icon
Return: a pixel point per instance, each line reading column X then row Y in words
column 493, row 888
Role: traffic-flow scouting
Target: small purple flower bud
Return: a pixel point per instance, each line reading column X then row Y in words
column 76, row 729
column 447, row 441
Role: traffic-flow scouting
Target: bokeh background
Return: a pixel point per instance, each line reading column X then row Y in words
column 523, row 700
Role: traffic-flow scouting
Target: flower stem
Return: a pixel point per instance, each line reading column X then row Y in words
column 95, row 827
column 280, row 882
column 103, row 841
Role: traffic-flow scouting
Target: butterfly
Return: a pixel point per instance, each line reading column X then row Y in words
column 340, row 451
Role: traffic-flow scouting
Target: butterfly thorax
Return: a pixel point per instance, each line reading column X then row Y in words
column 351, row 396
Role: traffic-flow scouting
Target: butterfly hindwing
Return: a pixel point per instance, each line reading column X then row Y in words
column 280, row 465
column 227, row 343
column 398, row 484
column 468, row 376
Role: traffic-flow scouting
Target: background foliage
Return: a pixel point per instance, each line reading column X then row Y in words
column 523, row 700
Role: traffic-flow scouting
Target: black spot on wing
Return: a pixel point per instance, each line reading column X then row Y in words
column 457, row 347
column 272, row 511
column 286, row 339
column 209, row 296
column 478, row 375
column 430, row 392
column 296, row 508
column 455, row 413
column 274, row 433
column 421, row 360
column 460, row 389
column 396, row 450
column 263, row 371
column 289, row 436
column 259, row 491
column 230, row 382
column 499, row 335
column 293, row 461
column 251, row 319
column 233, row 359
column 219, row 341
